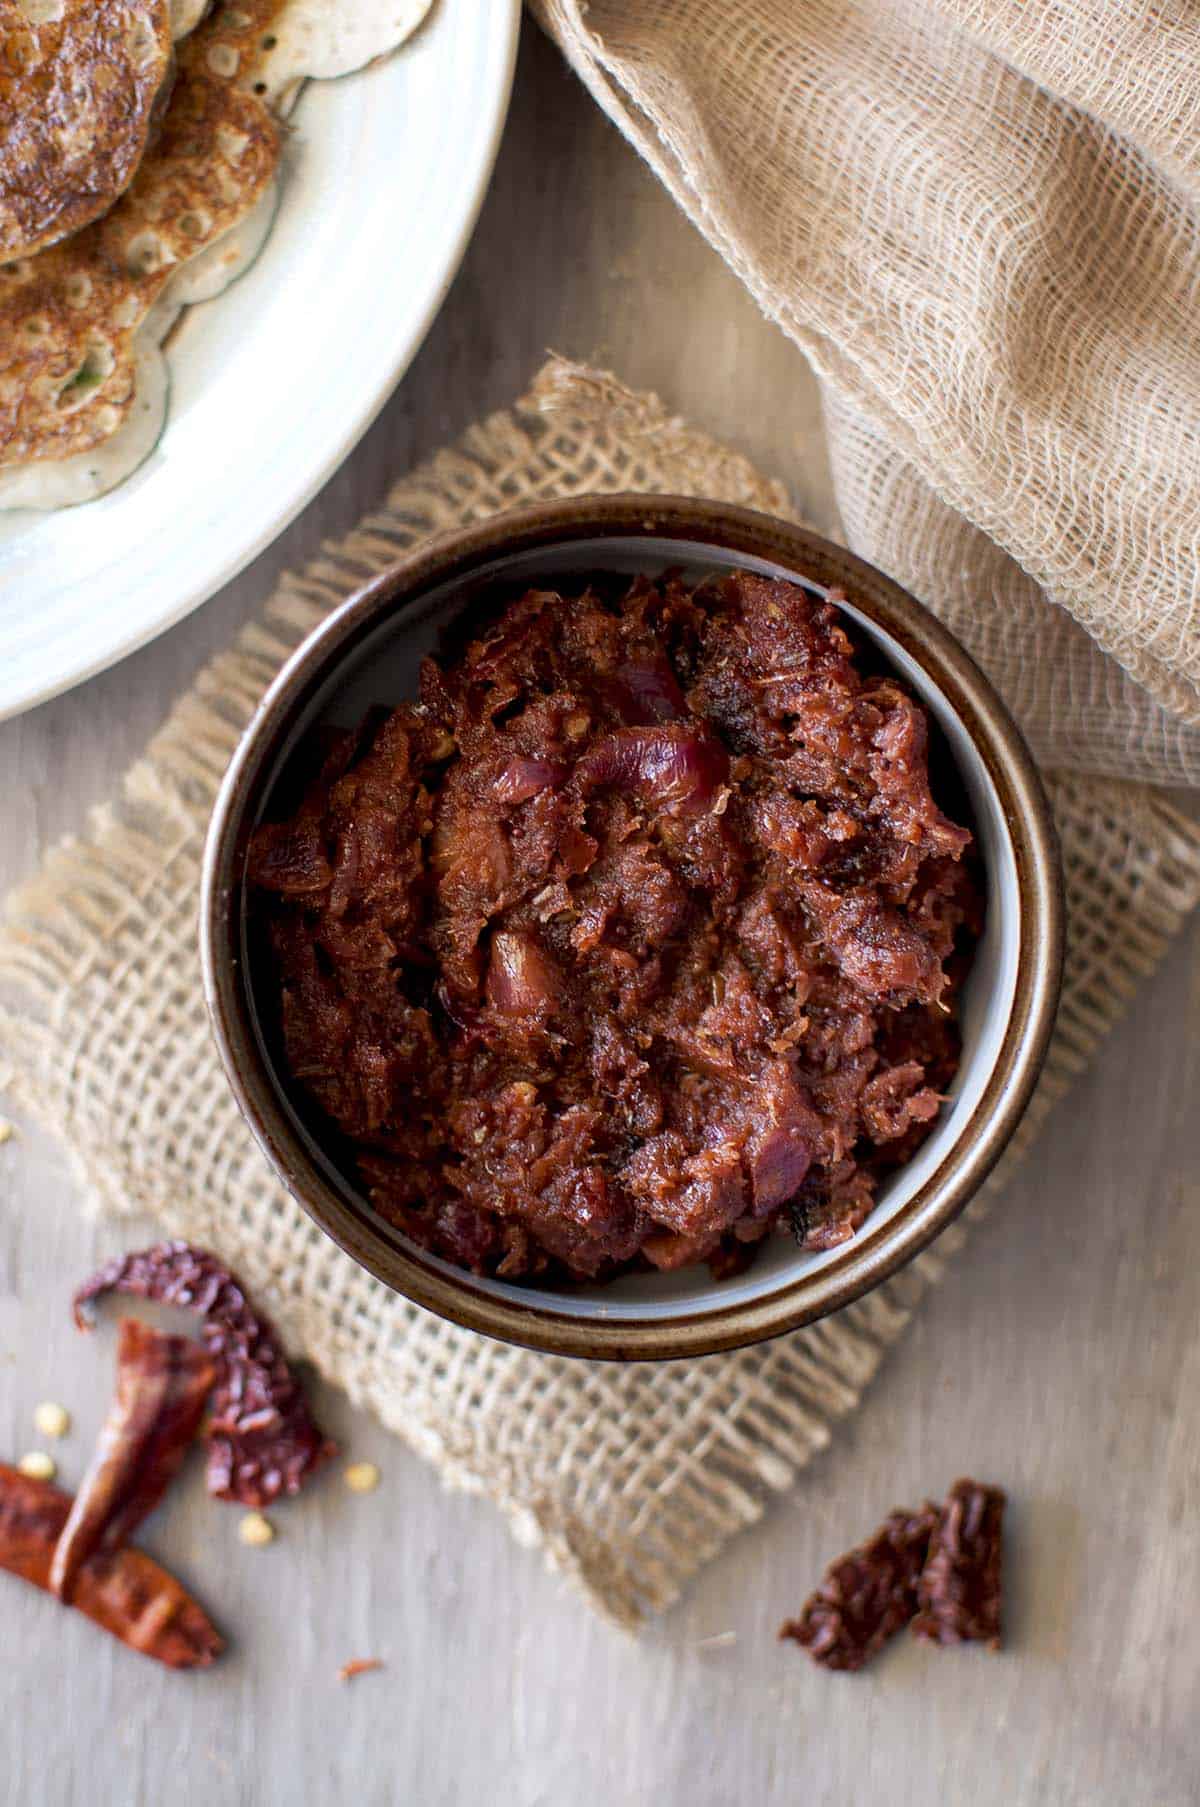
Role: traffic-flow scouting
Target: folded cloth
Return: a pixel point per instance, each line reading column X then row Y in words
column 980, row 219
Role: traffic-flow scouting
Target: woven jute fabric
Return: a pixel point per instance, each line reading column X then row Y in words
column 630, row 1477
column 980, row 219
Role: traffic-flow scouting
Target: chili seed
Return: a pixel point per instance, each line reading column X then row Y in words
column 51, row 1419
column 362, row 1477
column 256, row 1530
column 38, row 1465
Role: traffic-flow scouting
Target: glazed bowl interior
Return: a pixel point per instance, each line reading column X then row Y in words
column 643, row 1314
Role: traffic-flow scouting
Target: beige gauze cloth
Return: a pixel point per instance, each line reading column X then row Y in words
column 979, row 220
column 630, row 1477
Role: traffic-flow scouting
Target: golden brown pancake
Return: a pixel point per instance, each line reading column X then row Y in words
column 69, row 317
column 83, row 383
column 81, row 84
column 304, row 40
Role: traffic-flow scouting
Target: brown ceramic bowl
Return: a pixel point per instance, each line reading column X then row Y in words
column 367, row 652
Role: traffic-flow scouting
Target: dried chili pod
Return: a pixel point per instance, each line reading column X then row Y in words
column 124, row 1591
column 960, row 1592
column 163, row 1382
column 868, row 1595
column 261, row 1437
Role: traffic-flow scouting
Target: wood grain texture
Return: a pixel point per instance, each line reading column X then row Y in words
column 1061, row 1357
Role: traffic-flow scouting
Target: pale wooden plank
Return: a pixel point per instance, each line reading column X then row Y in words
column 1062, row 1357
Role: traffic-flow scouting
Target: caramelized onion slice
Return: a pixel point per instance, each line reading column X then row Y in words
column 674, row 769
column 523, row 778
column 522, row 980
column 289, row 858
column 645, row 691
column 778, row 1168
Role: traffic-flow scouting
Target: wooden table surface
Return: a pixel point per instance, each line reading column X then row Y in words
column 1061, row 1358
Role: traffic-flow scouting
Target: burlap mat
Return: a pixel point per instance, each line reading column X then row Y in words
column 980, row 220
column 630, row 1478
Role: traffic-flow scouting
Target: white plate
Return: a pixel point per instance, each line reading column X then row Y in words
column 274, row 381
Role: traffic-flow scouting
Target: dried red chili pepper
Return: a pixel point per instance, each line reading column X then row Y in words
column 868, row 1595
column 162, row 1384
column 960, row 1588
column 124, row 1591
column 261, row 1437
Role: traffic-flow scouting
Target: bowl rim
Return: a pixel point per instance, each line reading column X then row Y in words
column 869, row 1258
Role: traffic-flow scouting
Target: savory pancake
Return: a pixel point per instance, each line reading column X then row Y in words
column 83, row 476
column 321, row 39
column 69, row 318
column 58, row 483
column 83, row 382
column 81, row 86
column 210, row 272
